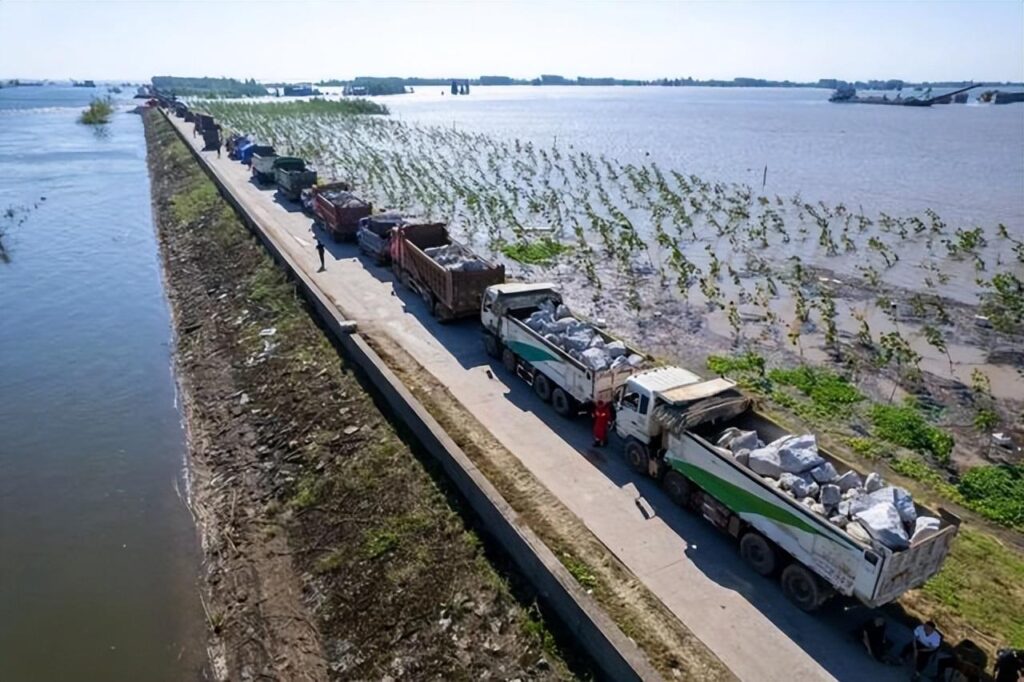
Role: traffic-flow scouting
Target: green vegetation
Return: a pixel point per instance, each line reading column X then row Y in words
column 996, row 492
column 905, row 425
column 98, row 113
column 379, row 528
column 208, row 87
column 542, row 251
column 315, row 106
column 979, row 590
column 827, row 389
column 579, row 570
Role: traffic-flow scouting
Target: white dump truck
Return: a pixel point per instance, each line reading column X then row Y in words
column 570, row 363
column 673, row 422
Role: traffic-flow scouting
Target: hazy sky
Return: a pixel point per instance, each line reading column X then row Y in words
column 272, row 40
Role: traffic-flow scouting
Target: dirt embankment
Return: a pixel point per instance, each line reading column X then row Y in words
column 331, row 550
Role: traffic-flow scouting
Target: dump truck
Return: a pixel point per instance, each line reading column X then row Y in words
column 309, row 194
column 374, row 235
column 247, row 150
column 449, row 277
column 211, row 137
column 291, row 180
column 672, row 421
column 559, row 376
column 338, row 211
column 375, row 232
column 262, row 164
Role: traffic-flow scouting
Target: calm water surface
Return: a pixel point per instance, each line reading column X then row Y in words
column 98, row 556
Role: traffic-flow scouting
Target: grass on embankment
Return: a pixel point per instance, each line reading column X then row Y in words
column 387, row 551
column 980, row 590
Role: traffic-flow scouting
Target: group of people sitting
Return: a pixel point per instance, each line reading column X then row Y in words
column 963, row 662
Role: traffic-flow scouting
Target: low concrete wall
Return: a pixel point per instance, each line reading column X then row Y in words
column 615, row 655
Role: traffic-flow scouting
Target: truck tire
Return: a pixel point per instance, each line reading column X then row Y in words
column 542, row 387
column 509, row 360
column 492, row 346
column 678, row 488
column 562, row 403
column 442, row 312
column 637, row 456
column 803, row 588
column 758, row 552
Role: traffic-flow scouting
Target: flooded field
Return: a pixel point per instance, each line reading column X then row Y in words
column 816, row 253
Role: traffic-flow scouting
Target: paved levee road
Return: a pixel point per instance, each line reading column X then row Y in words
column 695, row 570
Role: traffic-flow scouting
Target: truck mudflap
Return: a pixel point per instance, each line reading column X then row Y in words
column 912, row 567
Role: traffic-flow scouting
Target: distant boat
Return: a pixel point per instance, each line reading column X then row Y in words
column 847, row 93
column 84, row 84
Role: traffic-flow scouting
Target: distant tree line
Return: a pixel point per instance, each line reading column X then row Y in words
column 208, row 87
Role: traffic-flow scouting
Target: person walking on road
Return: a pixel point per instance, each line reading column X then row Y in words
column 925, row 643
column 320, row 252
column 602, row 419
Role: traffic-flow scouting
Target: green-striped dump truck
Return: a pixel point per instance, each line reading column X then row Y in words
column 672, row 421
column 559, row 376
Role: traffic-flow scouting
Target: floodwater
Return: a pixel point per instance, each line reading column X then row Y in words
column 965, row 161
column 98, row 555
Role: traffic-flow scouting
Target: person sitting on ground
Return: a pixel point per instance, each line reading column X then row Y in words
column 925, row 643
column 872, row 636
column 1009, row 665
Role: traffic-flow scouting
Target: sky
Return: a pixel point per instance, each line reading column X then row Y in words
column 302, row 41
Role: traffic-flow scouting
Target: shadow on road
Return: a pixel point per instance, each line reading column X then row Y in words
column 826, row 636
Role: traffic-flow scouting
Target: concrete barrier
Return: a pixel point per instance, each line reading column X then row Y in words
column 614, row 654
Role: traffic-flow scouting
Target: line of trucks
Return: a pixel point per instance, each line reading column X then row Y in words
column 796, row 511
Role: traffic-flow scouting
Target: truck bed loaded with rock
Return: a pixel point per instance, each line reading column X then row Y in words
column 569, row 362
column 795, row 509
column 449, row 277
column 293, row 178
column 339, row 211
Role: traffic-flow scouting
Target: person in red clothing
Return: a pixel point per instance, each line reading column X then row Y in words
column 602, row 419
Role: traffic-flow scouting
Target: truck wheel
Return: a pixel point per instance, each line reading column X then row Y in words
column 636, row 455
column 758, row 553
column 442, row 312
column 542, row 387
column 562, row 403
column 508, row 358
column 678, row 488
column 803, row 587
column 491, row 345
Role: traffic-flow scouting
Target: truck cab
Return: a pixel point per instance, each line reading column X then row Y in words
column 672, row 389
column 499, row 299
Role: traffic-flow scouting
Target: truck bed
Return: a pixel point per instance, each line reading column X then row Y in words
column 452, row 293
column 902, row 570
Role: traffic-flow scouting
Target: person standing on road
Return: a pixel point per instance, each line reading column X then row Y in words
column 602, row 418
column 320, row 252
column 925, row 643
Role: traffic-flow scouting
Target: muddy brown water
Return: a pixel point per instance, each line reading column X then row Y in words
column 98, row 555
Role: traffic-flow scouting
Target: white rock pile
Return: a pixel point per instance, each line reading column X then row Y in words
column 867, row 509
column 582, row 341
column 457, row 259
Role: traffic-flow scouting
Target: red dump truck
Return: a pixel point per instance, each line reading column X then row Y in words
column 449, row 277
column 339, row 211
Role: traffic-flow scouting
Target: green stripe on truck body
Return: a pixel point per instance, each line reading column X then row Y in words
column 746, row 502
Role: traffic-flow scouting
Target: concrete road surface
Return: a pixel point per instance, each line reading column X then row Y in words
column 696, row 571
